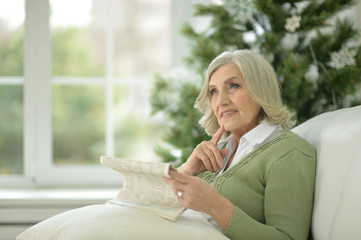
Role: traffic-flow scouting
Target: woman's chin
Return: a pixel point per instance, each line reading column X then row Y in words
column 226, row 128
column 230, row 128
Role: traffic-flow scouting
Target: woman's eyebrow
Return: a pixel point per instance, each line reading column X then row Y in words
column 230, row 79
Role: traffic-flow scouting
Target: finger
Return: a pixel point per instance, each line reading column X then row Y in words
column 218, row 135
column 178, row 186
column 212, row 157
column 204, row 158
column 218, row 158
column 224, row 152
column 181, row 178
column 175, row 185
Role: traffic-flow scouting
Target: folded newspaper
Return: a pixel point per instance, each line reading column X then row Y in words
column 144, row 188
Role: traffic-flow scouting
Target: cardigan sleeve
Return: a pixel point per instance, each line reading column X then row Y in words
column 288, row 201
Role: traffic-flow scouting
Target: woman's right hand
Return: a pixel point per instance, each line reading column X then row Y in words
column 206, row 156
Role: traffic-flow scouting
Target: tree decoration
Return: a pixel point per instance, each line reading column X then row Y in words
column 293, row 23
column 289, row 41
column 312, row 75
column 344, row 57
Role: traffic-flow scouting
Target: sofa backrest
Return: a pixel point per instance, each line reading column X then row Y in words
column 337, row 203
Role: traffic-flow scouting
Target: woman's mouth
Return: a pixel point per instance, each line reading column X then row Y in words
column 227, row 114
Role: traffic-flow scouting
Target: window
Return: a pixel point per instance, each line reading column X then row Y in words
column 75, row 86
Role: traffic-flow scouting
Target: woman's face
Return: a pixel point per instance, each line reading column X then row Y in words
column 231, row 102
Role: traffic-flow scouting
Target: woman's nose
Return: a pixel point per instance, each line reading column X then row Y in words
column 223, row 98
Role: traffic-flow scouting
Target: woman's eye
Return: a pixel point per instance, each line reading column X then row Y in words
column 212, row 91
column 234, row 85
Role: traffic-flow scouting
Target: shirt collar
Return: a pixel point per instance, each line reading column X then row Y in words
column 260, row 133
column 257, row 135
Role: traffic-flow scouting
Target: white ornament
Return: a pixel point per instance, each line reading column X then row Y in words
column 249, row 37
column 293, row 23
column 241, row 10
column 218, row 2
column 312, row 75
column 344, row 57
column 289, row 41
column 286, row 7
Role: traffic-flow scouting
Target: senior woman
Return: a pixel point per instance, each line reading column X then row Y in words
column 255, row 178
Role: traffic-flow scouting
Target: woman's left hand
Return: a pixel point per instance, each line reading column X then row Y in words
column 195, row 193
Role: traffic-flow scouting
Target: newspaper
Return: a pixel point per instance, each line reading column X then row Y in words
column 144, row 188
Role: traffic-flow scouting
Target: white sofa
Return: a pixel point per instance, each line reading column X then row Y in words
column 337, row 207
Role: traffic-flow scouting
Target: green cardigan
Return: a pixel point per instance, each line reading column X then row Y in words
column 272, row 189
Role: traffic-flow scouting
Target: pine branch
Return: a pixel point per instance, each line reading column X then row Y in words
column 275, row 15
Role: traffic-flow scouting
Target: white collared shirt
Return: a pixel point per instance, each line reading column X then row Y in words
column 251, row 141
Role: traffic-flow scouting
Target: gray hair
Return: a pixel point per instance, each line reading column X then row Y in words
column 261, row 83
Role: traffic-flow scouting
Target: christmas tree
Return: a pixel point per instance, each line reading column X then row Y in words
column 317, row 58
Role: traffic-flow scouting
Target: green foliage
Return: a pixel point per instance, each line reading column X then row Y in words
column 12, row 53
column 72, row 55
column 74, row 109
column 175, row 100
column 11, row 130
column 79, row 111
column 302, row 58
column 294, row 88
